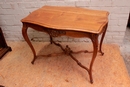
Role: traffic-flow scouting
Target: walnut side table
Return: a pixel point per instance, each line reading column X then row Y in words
column 69, row 21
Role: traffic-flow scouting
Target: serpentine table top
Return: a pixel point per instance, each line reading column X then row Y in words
column 69, row 18
column 69, row 21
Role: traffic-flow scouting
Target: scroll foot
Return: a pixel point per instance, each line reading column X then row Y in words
column 33, row 60
column 102, row 53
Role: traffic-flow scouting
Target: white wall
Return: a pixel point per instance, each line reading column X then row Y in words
column 12, row 11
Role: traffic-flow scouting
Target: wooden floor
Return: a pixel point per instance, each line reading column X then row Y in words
column 16, row 69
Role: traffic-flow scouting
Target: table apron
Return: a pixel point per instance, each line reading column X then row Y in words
column 57, row 33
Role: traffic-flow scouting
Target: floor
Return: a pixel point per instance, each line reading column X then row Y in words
column 16, row 69
column 125, row 49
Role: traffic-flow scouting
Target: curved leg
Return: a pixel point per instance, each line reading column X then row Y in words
column 95, row 48
column 100, row 48
column 24, row 33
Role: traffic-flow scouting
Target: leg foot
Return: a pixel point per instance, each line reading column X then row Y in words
column 91, row 81
column 33, row 60
column 102, row 53
column 90, row 76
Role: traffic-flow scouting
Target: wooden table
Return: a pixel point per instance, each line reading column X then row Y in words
column 68, row 21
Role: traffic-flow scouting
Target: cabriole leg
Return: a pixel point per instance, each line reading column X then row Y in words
column 95, row 48
column 24, row 33
column 101, row 41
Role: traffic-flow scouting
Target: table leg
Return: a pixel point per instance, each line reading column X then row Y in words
column 94, row 39
column 24, row 33
column 100, row 48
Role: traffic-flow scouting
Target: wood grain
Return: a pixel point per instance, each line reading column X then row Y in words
column 69, row 18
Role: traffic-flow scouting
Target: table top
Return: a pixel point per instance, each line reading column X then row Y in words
column 69, row 18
